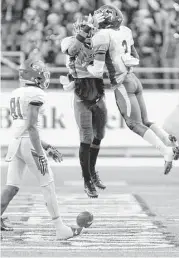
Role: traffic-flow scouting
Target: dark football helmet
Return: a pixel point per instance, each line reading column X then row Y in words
column 35, row 72
column 113, row 17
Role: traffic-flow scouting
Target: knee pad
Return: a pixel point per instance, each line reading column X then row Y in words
column 51, row 200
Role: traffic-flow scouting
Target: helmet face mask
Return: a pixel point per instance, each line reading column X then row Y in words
column 113, row 17
column 35, row 72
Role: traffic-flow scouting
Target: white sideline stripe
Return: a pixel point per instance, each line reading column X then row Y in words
column 112, row 162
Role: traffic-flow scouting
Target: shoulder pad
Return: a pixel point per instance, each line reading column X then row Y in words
column 126, row 29
column 65, row 43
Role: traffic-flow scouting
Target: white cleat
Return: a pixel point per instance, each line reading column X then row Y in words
column 68, row 233
column 173, row 154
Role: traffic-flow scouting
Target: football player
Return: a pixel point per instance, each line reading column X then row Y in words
column 26, row 149
column 89, row 106
column 114, row 46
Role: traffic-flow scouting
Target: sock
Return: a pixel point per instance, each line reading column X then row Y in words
column 153, row 139
column 162, row 134
column 84, row 156
column 94, row 150
column 51, row 200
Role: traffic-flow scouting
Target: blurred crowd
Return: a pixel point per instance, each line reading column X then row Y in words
column 42, row 24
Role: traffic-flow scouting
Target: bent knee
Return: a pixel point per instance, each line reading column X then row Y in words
column 9, row 191
column 136, row 127
column 147, row 123
column 86, row 136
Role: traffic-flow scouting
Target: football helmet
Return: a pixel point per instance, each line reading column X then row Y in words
column 35, row 72
column 112, row 17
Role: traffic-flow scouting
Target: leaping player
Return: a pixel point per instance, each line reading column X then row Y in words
column 89, row 106
column 26, row 149
column 114, row 46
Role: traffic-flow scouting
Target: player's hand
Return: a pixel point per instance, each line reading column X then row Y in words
column 93, row 21
column 55, row 154
column 43, row 163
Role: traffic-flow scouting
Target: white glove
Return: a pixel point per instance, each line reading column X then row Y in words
column 67, row 85
column 129, row 60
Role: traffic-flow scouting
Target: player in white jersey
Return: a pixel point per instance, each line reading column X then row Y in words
column 114, row 46
column 27, row 150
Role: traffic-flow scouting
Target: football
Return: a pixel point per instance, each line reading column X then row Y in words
column 84, row 219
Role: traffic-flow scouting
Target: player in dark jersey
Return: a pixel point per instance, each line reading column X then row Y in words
column 114, row 46
column 89, row 106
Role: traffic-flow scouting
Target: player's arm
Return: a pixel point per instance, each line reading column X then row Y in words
column 134, row 52
column 79, row 40
column 100, row 45
column 52, row 151
column 72, row 48
column 31, row 125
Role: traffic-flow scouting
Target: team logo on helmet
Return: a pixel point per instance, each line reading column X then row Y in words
column 113, row 17
column 35, row 72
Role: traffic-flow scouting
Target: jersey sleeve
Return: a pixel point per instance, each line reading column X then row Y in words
column 131, row 37
column 37, row 97
column 100, row 42
column 66, row 43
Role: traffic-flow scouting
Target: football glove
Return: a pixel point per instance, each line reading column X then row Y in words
column 54, row 153
column 129, row 60
column 43, row 164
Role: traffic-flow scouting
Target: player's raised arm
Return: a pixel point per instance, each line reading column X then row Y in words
column 100, row 45
column 73, row 46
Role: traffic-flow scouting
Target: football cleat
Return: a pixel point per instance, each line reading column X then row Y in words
column 97, row 181
column 90, row 189
column 168, row 164
column 76, row 231
column 5, row 226
column 176, row 153
column 173, row 140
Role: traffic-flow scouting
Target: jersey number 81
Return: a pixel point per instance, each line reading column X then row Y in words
column 15, row 108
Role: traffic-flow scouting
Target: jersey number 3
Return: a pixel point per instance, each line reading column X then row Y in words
column 15, row 108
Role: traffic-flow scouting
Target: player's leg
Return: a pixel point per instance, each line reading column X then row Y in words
column 48, row 189
column 99, row 123
column 83, row 116
column 14, row 176
column 130, row 110
column 162, row 134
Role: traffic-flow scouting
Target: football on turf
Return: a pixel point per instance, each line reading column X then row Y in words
column 84, row 219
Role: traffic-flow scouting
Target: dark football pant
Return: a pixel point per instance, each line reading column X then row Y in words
column 131, row 104
column 91, row 119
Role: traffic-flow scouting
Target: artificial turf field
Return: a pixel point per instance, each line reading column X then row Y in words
column 136, row 216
